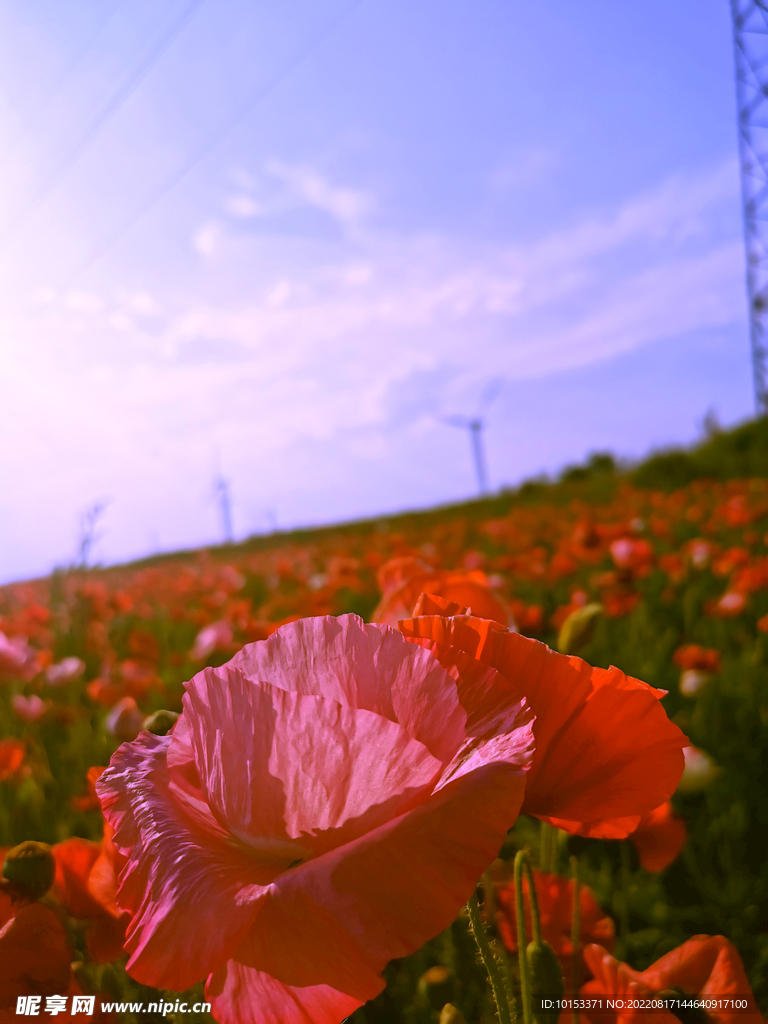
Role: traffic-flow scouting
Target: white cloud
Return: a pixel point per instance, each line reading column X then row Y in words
column 84, row 302
column 315, row 348
column 346, row 205
column 207, row 239
column 279, row 295
column 243, row 206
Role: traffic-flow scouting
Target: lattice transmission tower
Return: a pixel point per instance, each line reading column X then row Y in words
column 750, row 40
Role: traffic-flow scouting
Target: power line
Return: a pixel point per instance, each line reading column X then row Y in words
column 213, row 140
column 114, row 102
column 101, row 25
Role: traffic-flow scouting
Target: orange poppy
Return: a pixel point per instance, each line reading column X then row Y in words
column 622, row 757
column 402, row 580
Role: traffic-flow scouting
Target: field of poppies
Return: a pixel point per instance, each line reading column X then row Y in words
column 661, row 571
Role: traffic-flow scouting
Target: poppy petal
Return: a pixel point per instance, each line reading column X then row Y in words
column 169, row 946
column 292, row 774
column 74, row 860
column 385, row 894
column 241, row 995
column 659, row 838
column 362, row 665
column 605, row 749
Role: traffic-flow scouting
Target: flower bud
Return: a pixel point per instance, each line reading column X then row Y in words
column 546, row 979
column 161, row 722
column 30, row 868
column 693, row 1015
column 436, row 986
column 579, row 628
column 450, row 1015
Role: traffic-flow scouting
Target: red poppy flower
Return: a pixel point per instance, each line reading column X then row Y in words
column 632, row 553
column 706, row 965
column 659, row 838
column 34, row 952
column 86, row 885
column 11, row 757
column 606, row 753
column 731, row 559
column 619, row 602
column 324, row 804
column 693, row 656
column 555, row 898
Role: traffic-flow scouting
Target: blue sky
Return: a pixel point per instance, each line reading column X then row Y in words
column 282, row 240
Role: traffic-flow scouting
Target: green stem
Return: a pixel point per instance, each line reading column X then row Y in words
column 545, row 854
column 575, row 934
column 489, row 902
column 489, row 913
column 533, row 899
column 522, row 943
column 489, row 961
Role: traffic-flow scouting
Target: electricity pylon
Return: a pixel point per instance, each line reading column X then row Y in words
column 750, row 43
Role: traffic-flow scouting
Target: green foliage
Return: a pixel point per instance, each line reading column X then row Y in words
column 742, row 452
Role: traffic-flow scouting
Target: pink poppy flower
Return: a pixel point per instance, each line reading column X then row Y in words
column 29, row 709
column 64, row 671
column 324, row 804
column 17, row 656
column 211, row 638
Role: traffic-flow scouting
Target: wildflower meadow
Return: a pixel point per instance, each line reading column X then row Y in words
column 445, row 766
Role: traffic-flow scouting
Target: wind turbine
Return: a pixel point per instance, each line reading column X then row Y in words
column 221, row 494
column 221, row 490
column 476, row 425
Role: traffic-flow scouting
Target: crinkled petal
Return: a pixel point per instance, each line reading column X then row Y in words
column 279, row 766
column 241, row 995
column 605, row 749
column 363, row 665
column 178, row 875
column 339, row 919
